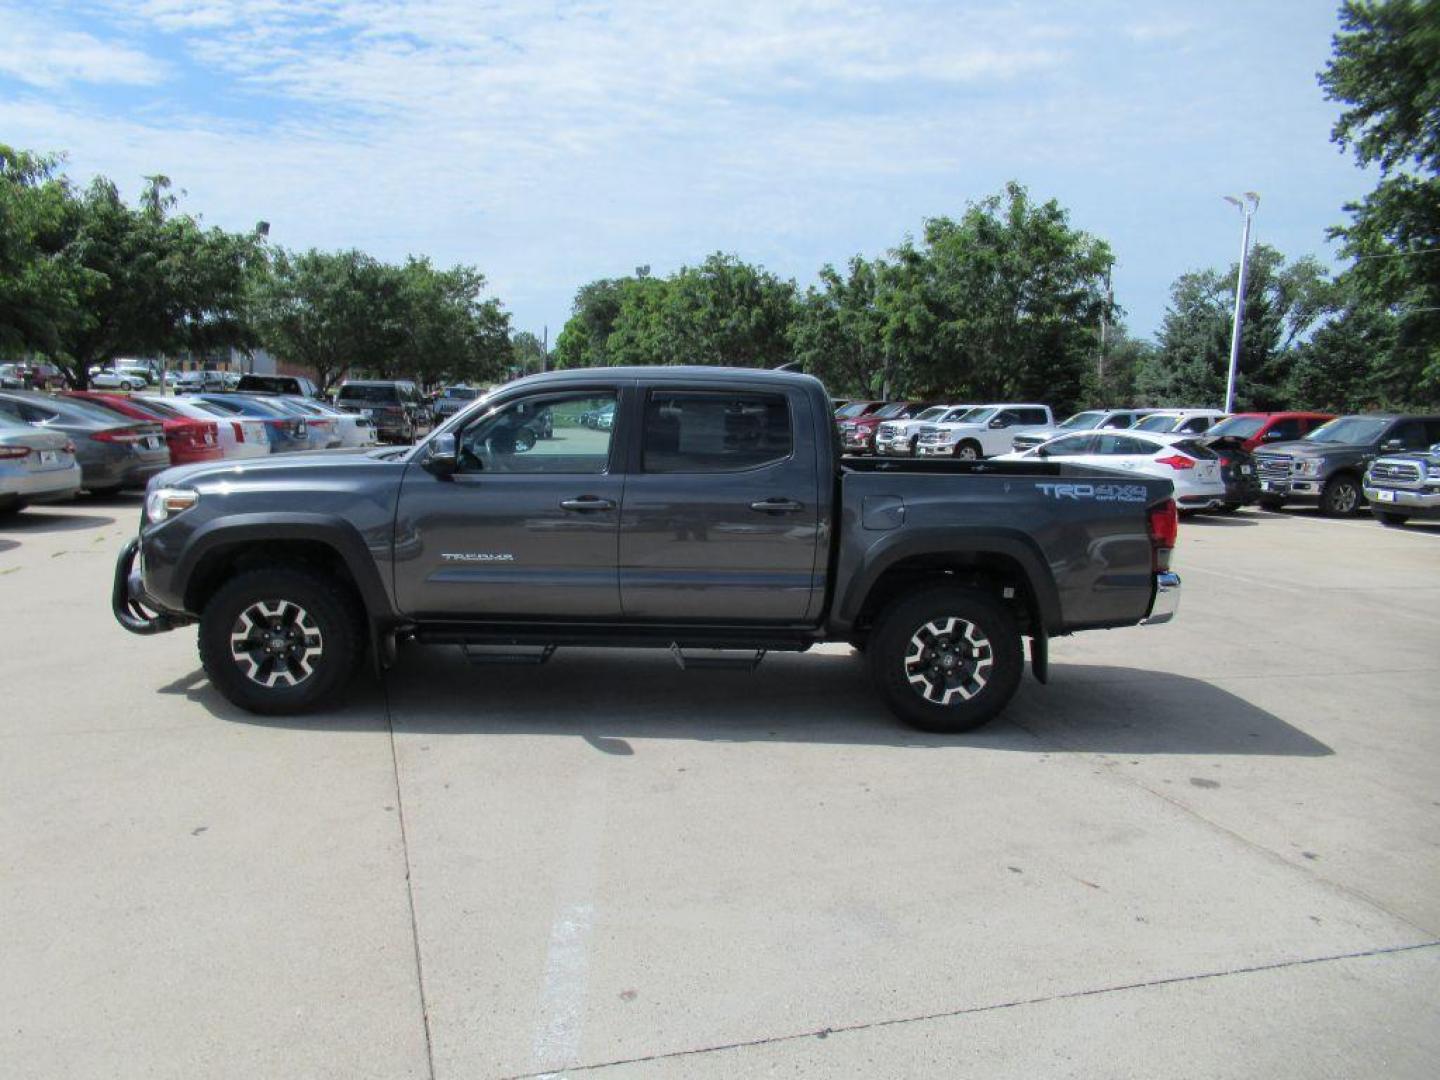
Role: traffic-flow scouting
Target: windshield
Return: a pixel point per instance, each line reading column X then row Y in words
column 974, row 416
column 931, row 413
column 893, row 409
column 1159, row 422
column 464, row 392
column 1348, row 430
column 1082, row 421
column 855, row 408
column 1241, row 427
column 369, row 393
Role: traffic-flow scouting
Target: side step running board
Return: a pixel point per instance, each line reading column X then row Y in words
column 489, row 655
column 731, row 663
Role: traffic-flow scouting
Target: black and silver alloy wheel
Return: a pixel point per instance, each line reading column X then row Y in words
column 946, row 658
column 1340, row 497
column 281, row 641
column 949, row 658
column 276, row 643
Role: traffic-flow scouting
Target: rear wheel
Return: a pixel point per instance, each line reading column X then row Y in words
column 946, row 660
column 1341, row 496
column 1393, row 520
column 280, row 641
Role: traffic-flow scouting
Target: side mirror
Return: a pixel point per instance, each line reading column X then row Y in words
column 1272, row 435
column 1040, row 451
column 1393, row 444
column 442, row 458
column 999, row 422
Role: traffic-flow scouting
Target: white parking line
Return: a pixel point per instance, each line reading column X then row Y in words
column 1372, row 525
column 560, row 1023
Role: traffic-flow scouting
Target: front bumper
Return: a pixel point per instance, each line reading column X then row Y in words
column 133, row 607
column 1167, row 599
column 895, row 448
column 1415, row 503
column 1304, row 491
column 935, row 450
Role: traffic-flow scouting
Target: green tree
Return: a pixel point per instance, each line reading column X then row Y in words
column 838, row 331
column 723, row 311
column 1282, row 304
column 527, row 353
column 584, row 338
column 1005, row 303
column 1115, row 384
column 1386, row 69
column 448, row 332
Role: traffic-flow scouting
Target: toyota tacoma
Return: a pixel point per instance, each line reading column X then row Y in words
column 713, row 514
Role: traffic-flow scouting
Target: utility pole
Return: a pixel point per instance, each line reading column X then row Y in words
column 1104, row 327
column 545, row 347
column 1247, row 209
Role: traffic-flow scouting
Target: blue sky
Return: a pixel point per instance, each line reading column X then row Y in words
column 553, row 143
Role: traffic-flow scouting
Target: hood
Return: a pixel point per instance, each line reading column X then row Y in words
column 291, row 468
column 1302, row 448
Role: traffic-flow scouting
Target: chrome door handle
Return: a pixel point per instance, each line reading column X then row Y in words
column 587, row 503
column 777, row 506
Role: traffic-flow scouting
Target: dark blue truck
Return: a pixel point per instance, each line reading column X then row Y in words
column 714, row 512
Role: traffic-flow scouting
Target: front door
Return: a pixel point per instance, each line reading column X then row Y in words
column 721, row 521
column 527, row 526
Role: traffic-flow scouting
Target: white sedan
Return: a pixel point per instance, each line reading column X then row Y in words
column 1193, row 469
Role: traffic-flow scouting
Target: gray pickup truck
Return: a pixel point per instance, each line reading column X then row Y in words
column 714, row 513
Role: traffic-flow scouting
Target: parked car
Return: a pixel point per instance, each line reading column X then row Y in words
column 1193, row 469
column 1180, row 421
column 451, row 400
column 1250, row 431
column 286, row 431
column 742, row 529
column 35, row 466
column 1326, row 468
column 323, row 430
column 189, row 439
column 120, row 379
column 986, row 432
column 393, row 406
column 1090, row 420
column 11, row 377
column 294, row 385
column 1401, row 486
column 197, row 382
column 858, row 436
column 896, row 438
column 113, row 451
column 239, row 437
column 352, row 428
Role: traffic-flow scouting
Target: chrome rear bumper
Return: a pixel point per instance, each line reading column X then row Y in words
column 1167, row 599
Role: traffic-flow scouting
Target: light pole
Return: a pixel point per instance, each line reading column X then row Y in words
column 1247, row 209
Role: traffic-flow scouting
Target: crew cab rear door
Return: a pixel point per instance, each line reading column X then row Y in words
column 528, row 524
column 721, row 515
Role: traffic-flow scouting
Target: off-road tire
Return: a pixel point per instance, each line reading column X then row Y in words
column 332, row 609
column 897, row 656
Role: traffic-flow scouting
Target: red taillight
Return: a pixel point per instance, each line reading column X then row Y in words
column 1224, row 461
column 1176, row 461
column 12, row 453
column 239, row 430
column 1164, row 531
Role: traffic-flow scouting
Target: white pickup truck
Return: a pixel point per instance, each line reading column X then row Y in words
column 984, row 433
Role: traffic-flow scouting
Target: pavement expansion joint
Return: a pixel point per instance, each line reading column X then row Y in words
column 826, row 1032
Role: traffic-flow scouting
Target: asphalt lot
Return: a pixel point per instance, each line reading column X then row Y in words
column 1206, row 849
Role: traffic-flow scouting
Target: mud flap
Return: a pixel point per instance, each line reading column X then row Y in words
column 1040, row 657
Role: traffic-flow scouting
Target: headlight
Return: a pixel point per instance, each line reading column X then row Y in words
column 164, row 503
column 1308, row 467
column 1432, row 473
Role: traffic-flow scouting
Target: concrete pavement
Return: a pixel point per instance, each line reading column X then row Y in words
column 1205, row 849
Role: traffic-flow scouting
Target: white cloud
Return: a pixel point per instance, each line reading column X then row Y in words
column 44, row 54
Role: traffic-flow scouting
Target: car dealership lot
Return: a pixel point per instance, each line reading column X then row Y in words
column 1207, row 848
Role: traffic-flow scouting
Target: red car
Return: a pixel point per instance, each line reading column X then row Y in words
column 189, row 440
column 1246, row 431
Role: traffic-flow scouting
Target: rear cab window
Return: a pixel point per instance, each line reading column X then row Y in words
column 703, row 431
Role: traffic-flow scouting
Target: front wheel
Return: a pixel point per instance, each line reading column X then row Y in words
column 1341, row 497
column 280, row 641
column 968, row 451
column 946, row 660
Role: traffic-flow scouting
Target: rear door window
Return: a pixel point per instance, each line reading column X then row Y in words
column 1071, row 445
column 702, row 431
column 1123, row 445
